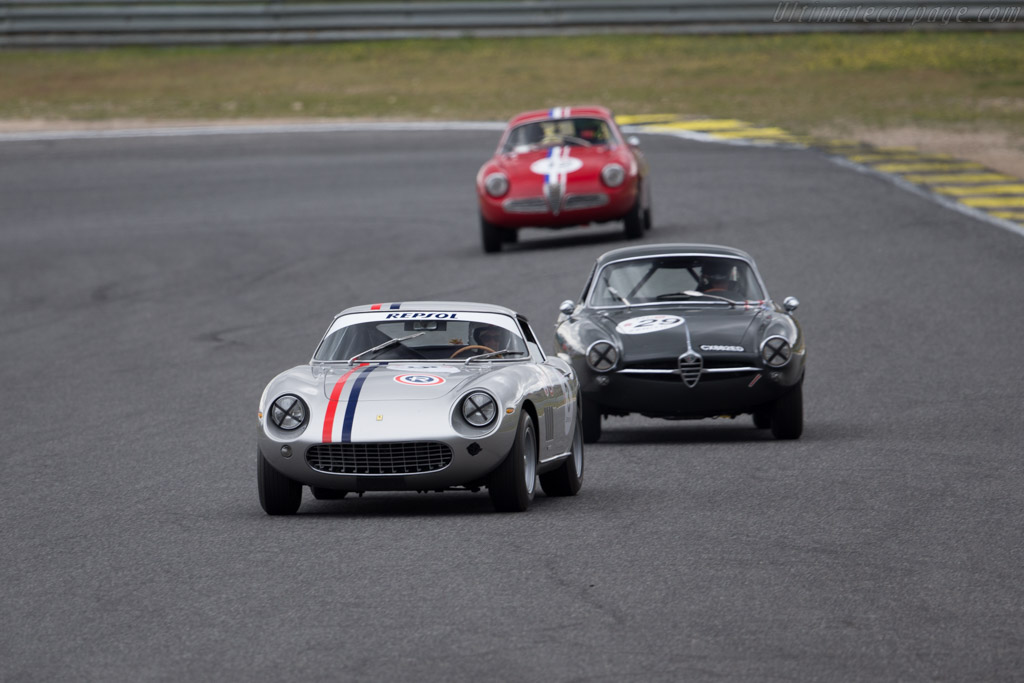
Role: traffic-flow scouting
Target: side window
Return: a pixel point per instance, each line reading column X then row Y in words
column 530, row 337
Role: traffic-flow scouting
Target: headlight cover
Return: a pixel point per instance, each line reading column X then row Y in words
column 496, row 184
column 613, row 175
column 602, row 356
column 776, row 351
column 288, row 412
column 479, row 409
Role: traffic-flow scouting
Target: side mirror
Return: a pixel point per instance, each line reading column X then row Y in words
column 633, row 141
column 567, row 307
column 790, row 303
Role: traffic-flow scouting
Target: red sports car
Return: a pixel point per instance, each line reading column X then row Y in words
column 562, row 167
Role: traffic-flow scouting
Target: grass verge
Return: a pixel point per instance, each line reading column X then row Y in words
column 805, row 83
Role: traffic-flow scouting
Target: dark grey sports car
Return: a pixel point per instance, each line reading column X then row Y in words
column 683, row 331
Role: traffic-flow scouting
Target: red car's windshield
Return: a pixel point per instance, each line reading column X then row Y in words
column 582, row 131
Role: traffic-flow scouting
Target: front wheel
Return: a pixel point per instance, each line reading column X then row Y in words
column 491, row 236
column 279, row 495
column 512, row 485
column 567, row 479
column 634, row 221
column 788, row 416
column 591, row 422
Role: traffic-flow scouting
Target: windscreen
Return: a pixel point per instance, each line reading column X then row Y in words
column 422, row 336
column 583, row 132
column 675, row 278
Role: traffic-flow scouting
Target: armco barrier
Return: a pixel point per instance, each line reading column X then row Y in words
column 60, row 23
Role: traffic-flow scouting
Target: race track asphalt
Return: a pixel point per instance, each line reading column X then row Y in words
column 150, row 287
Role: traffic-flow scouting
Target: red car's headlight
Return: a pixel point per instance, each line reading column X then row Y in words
column 496, row 184
column 613, row 175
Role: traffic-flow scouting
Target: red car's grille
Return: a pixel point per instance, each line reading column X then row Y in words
column 528, row 205
column 409, row 457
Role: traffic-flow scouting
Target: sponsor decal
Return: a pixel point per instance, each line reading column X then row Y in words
column 422, row 316
column 419, row 380
column 649, row 323
column 721, row 347
column 393, row 307
column 559, row 112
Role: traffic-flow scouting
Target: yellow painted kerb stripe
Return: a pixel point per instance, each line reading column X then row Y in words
column 707, row 124
column 918, row 167
column 993, row 202
column 977, row 190
column 953, row 178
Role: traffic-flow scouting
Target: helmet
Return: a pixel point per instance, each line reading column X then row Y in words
column 716, row 273
column 491, row 336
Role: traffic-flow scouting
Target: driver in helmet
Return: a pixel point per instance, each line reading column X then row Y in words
column 492, row 336
column 716, row 277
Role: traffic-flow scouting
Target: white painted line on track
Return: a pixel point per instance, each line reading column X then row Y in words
column 186, row 131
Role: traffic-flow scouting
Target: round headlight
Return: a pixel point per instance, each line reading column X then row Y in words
column 479, row 409
column 612, row 175
column 602, row 356
column 496, row 184
column 288, row 412
column 776, row 351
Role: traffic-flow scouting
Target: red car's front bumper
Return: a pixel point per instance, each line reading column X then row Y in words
column 578, row 206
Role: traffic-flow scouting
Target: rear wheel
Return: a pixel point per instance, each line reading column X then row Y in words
column 567, row 479
column 491, row 236
column 512, row 485
column 788, row 416
column 591, row 422
column 279, row 495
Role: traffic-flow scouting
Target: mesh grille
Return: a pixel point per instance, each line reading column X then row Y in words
column 410, row 457
column 529, row 205
column 584, row 201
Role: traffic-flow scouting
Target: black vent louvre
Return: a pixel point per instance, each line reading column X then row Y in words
column 409, row 457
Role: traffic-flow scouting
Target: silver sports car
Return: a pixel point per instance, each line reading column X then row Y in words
column 422, row 396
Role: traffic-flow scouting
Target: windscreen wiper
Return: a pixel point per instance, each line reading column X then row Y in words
column 386, row 344
column 614, row 292
column 485, row 356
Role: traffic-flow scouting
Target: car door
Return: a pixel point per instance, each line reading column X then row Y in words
column 557, row 407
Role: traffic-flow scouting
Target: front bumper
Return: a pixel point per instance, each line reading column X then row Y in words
column 591, row 205
column 472, row 459
column 666, row 395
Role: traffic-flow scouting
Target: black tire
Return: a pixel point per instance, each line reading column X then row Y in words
column 591, row 422
column 634, row 221
column 567, row 479
column 648, row 220
column 327, row 494
column 788, row 416
column 279, row 495
column 491, row 235
column 513, row 484
column 763, row 417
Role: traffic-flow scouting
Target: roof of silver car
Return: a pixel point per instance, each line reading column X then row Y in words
column 467, row 306
column 659, row 249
